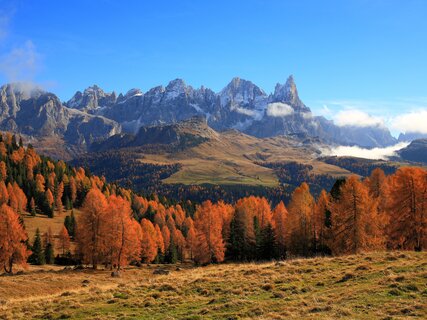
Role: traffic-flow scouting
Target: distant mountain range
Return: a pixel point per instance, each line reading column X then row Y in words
column 95, row 115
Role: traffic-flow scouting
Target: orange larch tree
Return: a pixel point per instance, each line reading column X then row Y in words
column 179, row 241
column 13, row 199
column 159, row 240
column 356, row 225
column 64, row 240
column 179, row 216
column 149, row 246
column 13, row 249
column 58, row 196
column 407, row 209
column 208, row 224
column 73, row 189
column 300, row 235
column 91, row 228
column 191, row 241
column 51, row 181
column 4, row 194
column 280, row 226
column 40, row 183
column 376, row 183
column 227, row 215
column 166, row 234
column 3, row 171
column 49, row 197
column 21, row 198
column 122, row 241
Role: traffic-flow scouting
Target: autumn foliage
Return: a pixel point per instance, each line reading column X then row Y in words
column 406, row 205
column 117, row 227
column 12, row 239
column 356, row 225
column 208, row 222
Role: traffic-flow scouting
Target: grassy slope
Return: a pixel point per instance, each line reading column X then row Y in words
column 369, row 286
column 230, row 159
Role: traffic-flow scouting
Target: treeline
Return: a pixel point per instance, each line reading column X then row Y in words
column 360, row 166
column 292, row 174
column 117, row 227
column 123, row 167
column 380, row 212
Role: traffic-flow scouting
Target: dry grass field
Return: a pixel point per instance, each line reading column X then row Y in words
column 387, row 285
column 43, row 222
column 230, row 158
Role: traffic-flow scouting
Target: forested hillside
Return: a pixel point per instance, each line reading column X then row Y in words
column 117, row 227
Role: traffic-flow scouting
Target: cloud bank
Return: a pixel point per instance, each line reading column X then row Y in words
column 279, row 109
column 356, row 118
column 374, row 153
column 413, row 122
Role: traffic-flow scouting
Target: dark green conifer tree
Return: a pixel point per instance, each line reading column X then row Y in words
column 49, row 254
column 37, row 257
column 171, row 255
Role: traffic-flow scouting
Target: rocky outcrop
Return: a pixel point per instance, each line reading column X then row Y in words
column 187, row 133
column 92, row 99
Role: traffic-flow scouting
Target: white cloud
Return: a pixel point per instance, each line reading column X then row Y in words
column 279, row 109
column 247, row 112
column 21, row 63
column 374, row 153
column 357, row 118
column 412, row 122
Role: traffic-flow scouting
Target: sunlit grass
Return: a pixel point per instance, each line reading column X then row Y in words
column 387, row 285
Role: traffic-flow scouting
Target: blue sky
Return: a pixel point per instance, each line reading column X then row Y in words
column 364, row 55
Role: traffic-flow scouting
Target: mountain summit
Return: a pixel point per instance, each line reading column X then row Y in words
column 288, row 93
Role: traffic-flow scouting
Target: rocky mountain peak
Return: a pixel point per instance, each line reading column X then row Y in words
column 91, row 99
column 288, row 93
column 240, row 91
column 176, row 88
column 95, row 90
column 133, row 92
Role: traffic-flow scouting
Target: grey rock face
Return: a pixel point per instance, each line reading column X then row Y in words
column 92, row 99
column 186, row 133
column 40, row 113
column 288, row 93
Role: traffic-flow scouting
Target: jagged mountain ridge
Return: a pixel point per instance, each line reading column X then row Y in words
column 240, row 105
column 95, row 115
